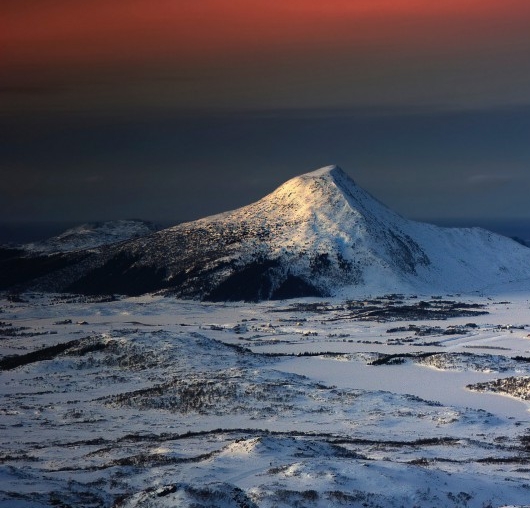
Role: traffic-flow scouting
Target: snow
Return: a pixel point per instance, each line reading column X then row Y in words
column 407, row 386
column 324, row 228
column 318, row 234
column 165, row 402
column 92, row 235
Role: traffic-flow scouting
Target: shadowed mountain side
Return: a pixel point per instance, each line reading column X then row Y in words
column 318, row 234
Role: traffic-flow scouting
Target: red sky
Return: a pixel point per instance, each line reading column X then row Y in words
column 95, row 89
column 264, row 45
column 65, row 32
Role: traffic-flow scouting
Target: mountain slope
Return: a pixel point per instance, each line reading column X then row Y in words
column 92, row 235
column 318, row 234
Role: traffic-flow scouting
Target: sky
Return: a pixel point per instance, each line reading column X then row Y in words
column 170, row 110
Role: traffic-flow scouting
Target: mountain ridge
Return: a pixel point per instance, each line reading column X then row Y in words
column 91, row 235
column 318, row 234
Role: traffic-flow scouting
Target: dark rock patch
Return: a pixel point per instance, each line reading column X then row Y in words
column 123, row 275
column 252, row 283
column 295, row 287
column 18, row 268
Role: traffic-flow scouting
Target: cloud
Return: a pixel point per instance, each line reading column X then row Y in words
column 489, row 181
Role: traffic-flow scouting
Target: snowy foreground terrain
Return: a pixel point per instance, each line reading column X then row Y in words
column 152, row 401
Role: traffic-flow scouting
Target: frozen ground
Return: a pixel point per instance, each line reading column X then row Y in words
column 153, row 401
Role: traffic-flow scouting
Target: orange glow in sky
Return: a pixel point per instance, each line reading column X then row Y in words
column 262, row 53
column 143, row 89
column 59, row 32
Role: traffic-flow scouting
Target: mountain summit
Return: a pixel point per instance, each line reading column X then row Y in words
column 318, row 234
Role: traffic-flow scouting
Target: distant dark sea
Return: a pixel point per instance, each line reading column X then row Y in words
column 24, row 232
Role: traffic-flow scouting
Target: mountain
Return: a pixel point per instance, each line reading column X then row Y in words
column 92, row 235
column 318, row 234
column 21, row 264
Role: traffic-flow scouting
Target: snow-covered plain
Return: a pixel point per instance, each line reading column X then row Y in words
column 155, row 401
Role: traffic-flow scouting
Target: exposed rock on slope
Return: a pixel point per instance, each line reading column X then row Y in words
column 318, row 234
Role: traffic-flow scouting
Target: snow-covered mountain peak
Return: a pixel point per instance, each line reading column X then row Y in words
column 325, row 171
column 315, row 184
column 318, row 234
column 329, row 193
